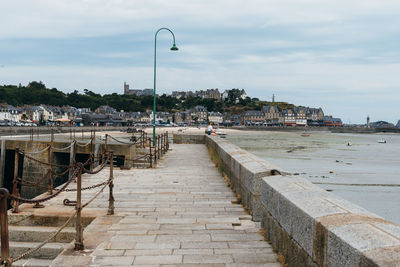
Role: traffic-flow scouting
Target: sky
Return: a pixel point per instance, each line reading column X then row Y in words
column 342, row 55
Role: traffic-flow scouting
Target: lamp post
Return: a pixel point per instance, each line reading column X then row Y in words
column 173, row 48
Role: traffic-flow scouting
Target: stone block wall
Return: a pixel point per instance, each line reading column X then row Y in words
column 305, row 223
column 188, row 139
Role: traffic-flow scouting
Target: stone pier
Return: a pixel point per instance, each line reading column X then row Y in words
column 181, row 213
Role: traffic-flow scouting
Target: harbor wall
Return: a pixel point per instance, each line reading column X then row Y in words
column 39, row 130
column 306, row 224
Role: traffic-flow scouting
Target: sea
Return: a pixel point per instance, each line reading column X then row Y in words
column 357, row 167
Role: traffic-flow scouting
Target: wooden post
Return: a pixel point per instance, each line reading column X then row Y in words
column 78, row 208
column 5, row 242
column 15, row 181
column 111, row 186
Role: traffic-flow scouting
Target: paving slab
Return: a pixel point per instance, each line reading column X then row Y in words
column 180, row 213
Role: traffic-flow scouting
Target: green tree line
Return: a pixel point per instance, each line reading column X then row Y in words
column 36, row 93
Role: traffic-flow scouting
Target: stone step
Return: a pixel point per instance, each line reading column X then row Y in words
column 48, row 251
column 143, row 165
column 53, row 221
column 32, row 263
column 39, row 233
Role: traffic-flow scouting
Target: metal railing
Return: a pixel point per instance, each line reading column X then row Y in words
column 78, row 169
column 75, row 170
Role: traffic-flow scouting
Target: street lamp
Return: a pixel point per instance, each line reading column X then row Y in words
column 173, row 48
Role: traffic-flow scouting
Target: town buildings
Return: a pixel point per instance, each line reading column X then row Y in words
column 267, row 116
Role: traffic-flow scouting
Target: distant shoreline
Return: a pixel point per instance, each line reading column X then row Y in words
column 321, row 129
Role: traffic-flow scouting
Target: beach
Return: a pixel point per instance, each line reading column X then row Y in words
column 364, row 172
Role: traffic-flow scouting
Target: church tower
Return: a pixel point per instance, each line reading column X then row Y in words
column 368, row 121
column 126, row 88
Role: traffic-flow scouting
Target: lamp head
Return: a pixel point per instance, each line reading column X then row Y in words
column 174, row 48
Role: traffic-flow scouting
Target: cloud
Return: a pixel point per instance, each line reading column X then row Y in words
column 339, row 55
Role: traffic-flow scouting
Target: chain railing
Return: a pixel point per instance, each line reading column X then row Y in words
column 78, row 168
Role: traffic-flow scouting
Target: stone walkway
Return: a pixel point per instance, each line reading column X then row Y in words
column 179, row 214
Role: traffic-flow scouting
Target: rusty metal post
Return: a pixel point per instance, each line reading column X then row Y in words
column 167, row 141
column 91, row 154
column 155, row 151
column 2, row 162
column 52, row 135
column 72, row 159
column 159, row 146
column 5, row 242
column 50, row 186
column 111, row 186
column 106, row 143
column 70, row 132
column 105, row 148
column 78, row 208
column 150, row 155
column 15, row 192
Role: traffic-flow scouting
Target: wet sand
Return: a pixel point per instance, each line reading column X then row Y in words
column 366, row 173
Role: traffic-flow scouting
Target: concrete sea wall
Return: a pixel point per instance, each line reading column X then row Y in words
column 306, row 224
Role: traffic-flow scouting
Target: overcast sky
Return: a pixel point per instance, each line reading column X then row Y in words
column 342, row 55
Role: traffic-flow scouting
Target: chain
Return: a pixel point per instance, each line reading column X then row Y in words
column 30, row 251
column 39, row 151
column 97, row 194
column 27, row 183
column 87, row 188
column 101, row 167
column 88, row 143
column 25, row 200
column 42, row 162
column 61, row 173
column 64, row 148
column 88, row 160
column 147, row 156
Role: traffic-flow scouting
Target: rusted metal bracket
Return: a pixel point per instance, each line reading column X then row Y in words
column 68, row 202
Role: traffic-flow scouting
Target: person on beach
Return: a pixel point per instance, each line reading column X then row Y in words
column 210, row 129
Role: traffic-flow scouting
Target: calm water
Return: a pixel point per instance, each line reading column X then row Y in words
column 366, row 173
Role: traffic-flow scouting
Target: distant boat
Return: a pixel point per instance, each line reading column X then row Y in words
column 349, row 144
column 382, row 141
column 305, row 135
column 220, row 133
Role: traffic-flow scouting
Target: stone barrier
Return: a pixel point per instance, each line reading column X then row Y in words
column 306, row 224
column 188, row 139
